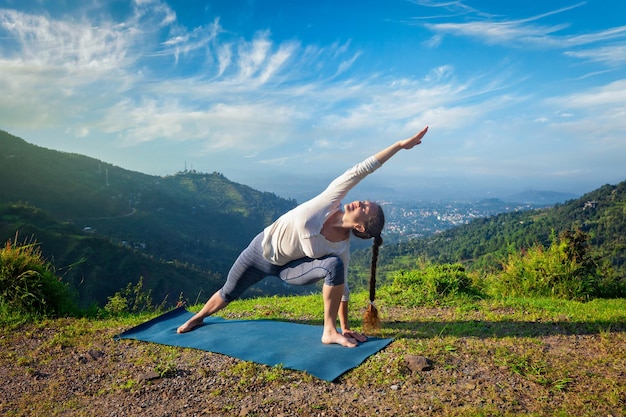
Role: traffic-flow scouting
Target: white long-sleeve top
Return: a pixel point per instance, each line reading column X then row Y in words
column 297, row 233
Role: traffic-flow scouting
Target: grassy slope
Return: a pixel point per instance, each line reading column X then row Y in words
column 508, row 357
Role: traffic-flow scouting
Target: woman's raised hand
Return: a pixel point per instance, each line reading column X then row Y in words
column 414, row 140
column 384, row 155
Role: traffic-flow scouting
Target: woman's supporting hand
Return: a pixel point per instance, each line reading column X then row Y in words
column 354, row 335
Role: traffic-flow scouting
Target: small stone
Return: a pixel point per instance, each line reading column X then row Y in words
column 149, row 376
column 418, row 363
column 95, row 354
column 395, row 387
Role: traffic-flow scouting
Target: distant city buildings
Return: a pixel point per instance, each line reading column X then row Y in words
column 405, row 221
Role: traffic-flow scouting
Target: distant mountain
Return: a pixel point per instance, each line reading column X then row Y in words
column 540, row 197
column 194, row 221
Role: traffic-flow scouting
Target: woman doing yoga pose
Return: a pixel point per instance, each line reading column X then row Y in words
column 312, row 242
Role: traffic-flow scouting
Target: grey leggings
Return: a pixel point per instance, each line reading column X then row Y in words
column 251, row 267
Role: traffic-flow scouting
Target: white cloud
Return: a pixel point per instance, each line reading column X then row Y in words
column 606, row 96
column 252, row 55
column 75, row 47
column 277, row 61
column 439, row 73
column 234, row 99
column 346, row 64
column 182, row 42
column 523, row 32
column 275, row 162
column 601, row 36
column 225, row 57
column 434, row 41
column 154, row 11
column 613, row 55
column 506, row 32
column 51, row 70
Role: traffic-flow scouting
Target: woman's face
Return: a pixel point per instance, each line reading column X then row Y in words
column 359, row 212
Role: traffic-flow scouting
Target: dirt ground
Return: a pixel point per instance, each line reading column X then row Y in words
column 70, row 368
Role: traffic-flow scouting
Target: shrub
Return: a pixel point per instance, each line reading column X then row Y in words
column 564, row 270
column 28, row 283
column 430, row 283
column 132, row 299
column 612, row 284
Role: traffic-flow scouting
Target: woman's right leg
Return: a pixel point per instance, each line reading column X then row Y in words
column 212, row 306
column 249, row 268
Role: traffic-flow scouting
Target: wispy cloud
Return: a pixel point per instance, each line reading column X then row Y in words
column 521, row 32
column 613, row 56
column 53, row 67
column 600, row 111
column 50, row 69
column 245, row 90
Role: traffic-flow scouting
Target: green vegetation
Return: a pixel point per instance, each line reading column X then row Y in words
column 29, row 287
column 104, row 227
column 564, row 270
column 95, row 267
column 132, row 299
column 583, row 240
column 431, row 283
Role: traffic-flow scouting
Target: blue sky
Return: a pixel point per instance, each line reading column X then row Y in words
column 285, row 95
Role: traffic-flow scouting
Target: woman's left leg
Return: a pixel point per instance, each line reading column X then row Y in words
column 331, row 269
column 332, row 298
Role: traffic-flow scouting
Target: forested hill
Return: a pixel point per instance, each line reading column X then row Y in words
column 484, row 242
column 80, row 209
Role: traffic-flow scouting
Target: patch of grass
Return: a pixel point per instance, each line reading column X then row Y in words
column 305, row 309
column 561, row 384
column 165, row 361
column 249, row 375
column 128, row 385
column 525, row 364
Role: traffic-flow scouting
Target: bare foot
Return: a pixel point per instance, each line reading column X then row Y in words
column 339, row 339
column 191, row 324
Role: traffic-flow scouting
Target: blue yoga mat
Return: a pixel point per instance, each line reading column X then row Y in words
column 294, row 346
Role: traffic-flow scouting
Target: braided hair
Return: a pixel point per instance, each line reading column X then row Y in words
column 373, row 229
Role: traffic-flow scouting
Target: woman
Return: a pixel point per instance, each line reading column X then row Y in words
column 312, row 242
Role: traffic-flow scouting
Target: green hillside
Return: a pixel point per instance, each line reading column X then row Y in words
column 105, row 226
column 483, row 244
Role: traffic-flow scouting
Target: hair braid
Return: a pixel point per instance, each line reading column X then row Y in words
column 371, row 321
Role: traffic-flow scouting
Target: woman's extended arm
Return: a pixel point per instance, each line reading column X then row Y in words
column 384, row 155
